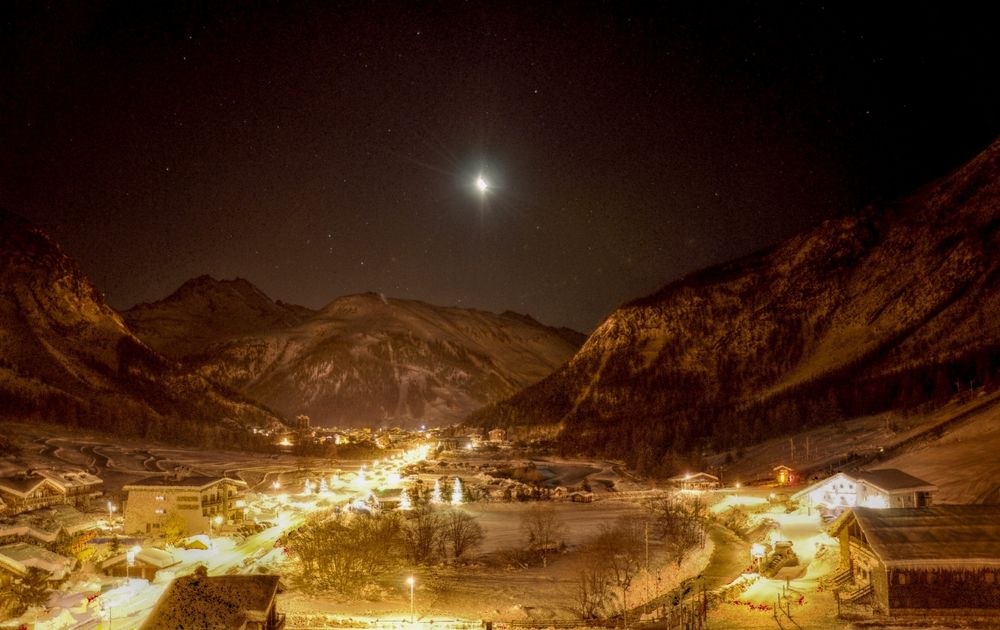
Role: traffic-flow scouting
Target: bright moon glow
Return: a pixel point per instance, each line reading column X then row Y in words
column 482, row 184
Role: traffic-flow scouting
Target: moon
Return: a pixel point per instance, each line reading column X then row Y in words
column 481, row 184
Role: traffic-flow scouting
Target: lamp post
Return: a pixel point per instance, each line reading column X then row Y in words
column 111, row 510
column 410, row 581
column 130, row 559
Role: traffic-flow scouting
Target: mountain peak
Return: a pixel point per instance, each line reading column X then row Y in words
column 205, row 310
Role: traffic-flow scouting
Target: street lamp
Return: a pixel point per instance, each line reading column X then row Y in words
column 130, row 559
column 111, row 510
column 409, row 581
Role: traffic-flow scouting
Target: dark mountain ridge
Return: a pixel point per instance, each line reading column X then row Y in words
column 886, row 308
column 67, row 357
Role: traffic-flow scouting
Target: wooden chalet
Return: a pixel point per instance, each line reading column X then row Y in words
column 939, row 560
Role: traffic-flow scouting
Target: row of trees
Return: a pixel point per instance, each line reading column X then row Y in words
column 350, row 552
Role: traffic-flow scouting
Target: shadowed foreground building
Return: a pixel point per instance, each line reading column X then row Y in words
column 226, row 602
column 942, row 560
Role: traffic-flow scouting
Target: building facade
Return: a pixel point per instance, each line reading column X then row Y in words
column 884, row 488
column 195, row 504
column 939, row 560
column 29, row 491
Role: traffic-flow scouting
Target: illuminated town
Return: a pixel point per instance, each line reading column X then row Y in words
column 479, row 316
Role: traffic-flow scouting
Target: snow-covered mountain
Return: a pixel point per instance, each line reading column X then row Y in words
column 67, row 357
column 891, row 307
column 204, row 311
column 362, row 359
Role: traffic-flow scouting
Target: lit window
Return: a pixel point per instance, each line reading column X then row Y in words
column 160, row 511
column 160, row 497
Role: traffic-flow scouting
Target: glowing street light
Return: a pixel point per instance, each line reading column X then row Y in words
column 410, row 581
column 130, row 559
column 276, row 485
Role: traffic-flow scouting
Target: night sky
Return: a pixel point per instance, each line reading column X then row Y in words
column 319, row 150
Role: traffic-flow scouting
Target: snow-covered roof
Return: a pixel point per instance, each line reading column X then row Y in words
column 24, row 484
column 200, row 482
column 19, row 557
column 151, row 556
column 940, row 536
column 698, row 476
column 225, row 601
column 71, row 479
column 893, row 480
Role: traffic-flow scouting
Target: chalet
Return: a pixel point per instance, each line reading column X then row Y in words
column 941, row 560
column 238, row 602
column 883, row 488
column 61, row 525
column 198, row 502
column 16, row 559
column 79, row 488
column 29, row 491
column 146, row 563
column 783, row 475
column 497, row 436
column 696, row 481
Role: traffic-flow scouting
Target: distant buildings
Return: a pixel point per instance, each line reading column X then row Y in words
column 884, row 488
column 36, row 489
column 941, row 560
column 195, row 504
column 236, row 602
column 497, row 436
column 696, row 481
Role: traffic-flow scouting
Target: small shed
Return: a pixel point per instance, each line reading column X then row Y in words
column 146, row 563
column 783, row 475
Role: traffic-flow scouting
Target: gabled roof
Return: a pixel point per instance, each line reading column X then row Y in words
column 819, row 484
column 893, row 480
column 151, row 556
column 941, row 536
column 782, row 467
column 199, row 482
column 71, row 479
column 698, row 476
column 21, row 556
column 23, row 485
column 225, row 601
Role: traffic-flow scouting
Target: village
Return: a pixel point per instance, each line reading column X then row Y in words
column 869, row 544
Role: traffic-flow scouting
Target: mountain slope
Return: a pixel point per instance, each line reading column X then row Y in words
column 205, row 311
column 366, row 359
column 886, row 308
column 67, row 357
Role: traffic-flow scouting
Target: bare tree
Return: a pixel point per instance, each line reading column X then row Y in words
column 462, row 532
column 424, row 535
column 593, row 587
column 621, row 551
column 543, row 530
column 678, row 524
